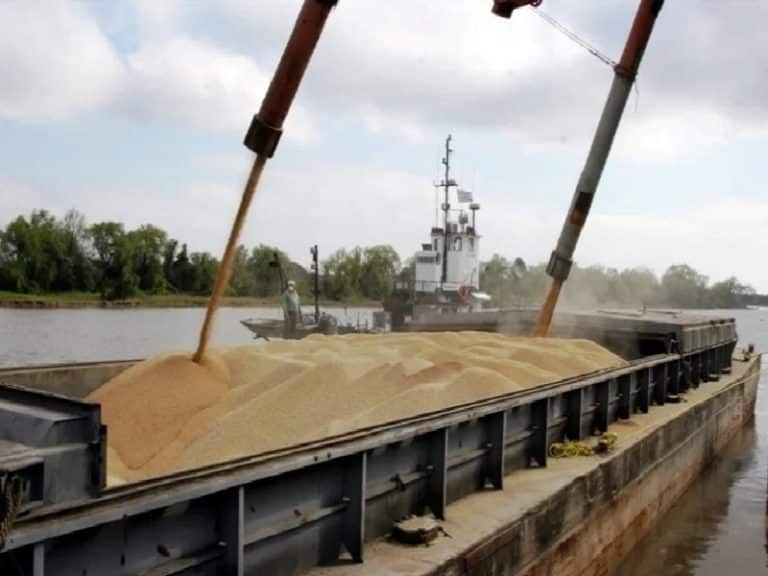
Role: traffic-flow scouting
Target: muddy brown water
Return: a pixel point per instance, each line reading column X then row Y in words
column 54, row 336
column 718, row 527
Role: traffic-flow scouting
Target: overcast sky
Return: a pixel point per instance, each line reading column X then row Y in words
column 135, row 111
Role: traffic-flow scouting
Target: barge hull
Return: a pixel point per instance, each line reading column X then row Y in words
column 581, row 515
column 483, row 467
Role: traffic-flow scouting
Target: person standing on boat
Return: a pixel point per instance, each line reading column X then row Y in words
column 291, row 310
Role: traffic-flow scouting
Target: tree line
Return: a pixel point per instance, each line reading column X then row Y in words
column 513, row 283
column 43, row 254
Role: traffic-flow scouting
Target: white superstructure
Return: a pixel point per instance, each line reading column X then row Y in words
column 449, row 266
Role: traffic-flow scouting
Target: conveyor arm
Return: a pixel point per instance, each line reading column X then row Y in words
column 625, row 71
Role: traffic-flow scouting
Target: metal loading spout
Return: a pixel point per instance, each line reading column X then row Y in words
column 264, row 134
column 504, row 8
column 561, row 260
column 267, row 126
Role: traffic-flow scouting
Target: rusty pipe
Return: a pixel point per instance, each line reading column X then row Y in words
column 263, row 137
column 266, row 127
column 504, row 8
column 625, row 71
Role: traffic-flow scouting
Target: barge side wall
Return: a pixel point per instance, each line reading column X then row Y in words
column 71, row 380
column 540, row 513
column 593, row 522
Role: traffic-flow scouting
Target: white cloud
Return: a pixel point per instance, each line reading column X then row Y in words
column 54, row 61
column 157, row 18
column 340, row 206
column 417, row 66
column 197, row 213
column 722, row 239
column 420, row 65
column 200, row 85
column 16, row 198
column 666, row 134
column 450, row 65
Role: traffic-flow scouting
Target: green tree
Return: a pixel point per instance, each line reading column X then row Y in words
column 41, row 254
column 639, row 286
column 533, row 285
column 6, row 262
column 17, row 256
column 379, row 269
column 169, row 257
column 592, row 286
column 503, row 279
column 77, row 271
column 342, row 273
column 264, row 275
column 730, row 293
column 683, row 287
column 241, row 282
column 183, row 272
column 114, row 261
column 205, row 267
column 148, row 245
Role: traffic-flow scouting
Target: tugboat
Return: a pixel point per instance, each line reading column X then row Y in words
column 445, row 276
column 446, row 271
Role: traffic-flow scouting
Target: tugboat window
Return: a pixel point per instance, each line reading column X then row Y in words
column 457, row 244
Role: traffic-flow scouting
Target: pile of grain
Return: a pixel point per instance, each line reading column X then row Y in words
column 169, row 413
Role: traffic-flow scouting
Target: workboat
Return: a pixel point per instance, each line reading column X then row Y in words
column 317, row 323
column 268, row 328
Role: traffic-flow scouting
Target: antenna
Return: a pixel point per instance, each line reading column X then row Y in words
column 474, row 207
column 446, row 184
column 437, row 210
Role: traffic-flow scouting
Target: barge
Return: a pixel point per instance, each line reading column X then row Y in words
column 483, row 470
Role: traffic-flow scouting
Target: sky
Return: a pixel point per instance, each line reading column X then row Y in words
column 136, row 111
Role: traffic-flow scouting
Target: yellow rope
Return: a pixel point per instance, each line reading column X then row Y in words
column 570, row 449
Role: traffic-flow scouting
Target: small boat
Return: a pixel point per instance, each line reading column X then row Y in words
column 317, row 323
column 268, row 328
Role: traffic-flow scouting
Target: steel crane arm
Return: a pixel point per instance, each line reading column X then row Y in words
column 504, row 8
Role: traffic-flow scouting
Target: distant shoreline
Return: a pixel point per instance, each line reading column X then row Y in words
column 86, row 300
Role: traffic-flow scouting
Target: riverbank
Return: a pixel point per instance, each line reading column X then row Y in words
column 93, row 300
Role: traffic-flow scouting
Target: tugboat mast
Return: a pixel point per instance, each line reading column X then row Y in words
column 446, row 186
column 446, row 270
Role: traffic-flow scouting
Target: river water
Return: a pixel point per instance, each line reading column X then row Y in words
column 84, row 335
column 718, row 527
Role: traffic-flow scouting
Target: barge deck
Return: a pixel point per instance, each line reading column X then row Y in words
column 579, row 515
column 483, row 469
